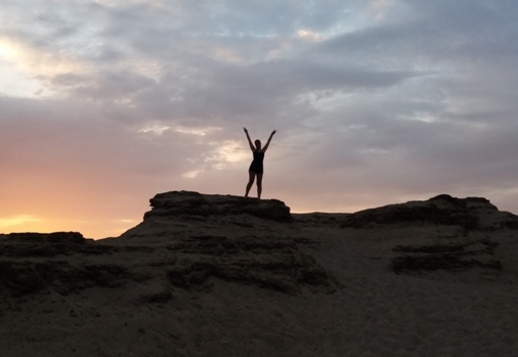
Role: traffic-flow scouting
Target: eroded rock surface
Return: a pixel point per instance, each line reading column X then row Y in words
column 187, row 241
column 229, row 276
column 187, row 203
column 472, row 213
column 190, row 241
column 458, row 252
column 468, row 243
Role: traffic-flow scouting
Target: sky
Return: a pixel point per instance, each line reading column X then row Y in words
column 105, row 103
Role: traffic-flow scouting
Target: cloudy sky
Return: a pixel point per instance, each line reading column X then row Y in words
column 105, row 103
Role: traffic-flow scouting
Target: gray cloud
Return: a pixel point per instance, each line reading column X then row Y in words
column 383, row 101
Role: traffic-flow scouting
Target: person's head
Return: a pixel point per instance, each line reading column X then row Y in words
column 258, row 144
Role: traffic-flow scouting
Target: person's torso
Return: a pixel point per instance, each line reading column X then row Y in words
column 258, row 156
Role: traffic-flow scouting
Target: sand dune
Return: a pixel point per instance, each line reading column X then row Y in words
column 217, row 275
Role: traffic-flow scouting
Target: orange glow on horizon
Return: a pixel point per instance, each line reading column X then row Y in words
column 65, row 200
column 94, row 227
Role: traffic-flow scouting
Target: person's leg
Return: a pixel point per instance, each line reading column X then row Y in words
column 259, row 185
column 250, row 182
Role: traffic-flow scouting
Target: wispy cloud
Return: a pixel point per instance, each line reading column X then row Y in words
column 18, row 220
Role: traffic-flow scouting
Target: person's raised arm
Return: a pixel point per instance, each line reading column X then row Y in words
column 269, row 139
column 252, row 147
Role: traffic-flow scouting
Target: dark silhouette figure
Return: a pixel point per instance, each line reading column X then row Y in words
column 256, row 167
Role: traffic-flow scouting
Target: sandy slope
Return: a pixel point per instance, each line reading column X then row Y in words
column 369, row 311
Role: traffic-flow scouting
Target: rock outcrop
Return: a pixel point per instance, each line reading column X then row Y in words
column 472, row 213
column 224, row 275
column 188, row 240
column 231, row 238
column 193, row 204
column 458, row 252
column 464, row 241
column 63, row 262
column 185, row 242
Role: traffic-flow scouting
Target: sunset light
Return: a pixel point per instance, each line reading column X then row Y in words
column 105, row 103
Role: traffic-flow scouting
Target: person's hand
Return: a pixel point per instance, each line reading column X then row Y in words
column 273, row 132
column 246, row 131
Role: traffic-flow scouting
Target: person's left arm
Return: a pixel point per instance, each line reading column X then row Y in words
column 269, row 139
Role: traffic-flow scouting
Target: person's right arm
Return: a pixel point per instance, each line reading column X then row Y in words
column 252, row 147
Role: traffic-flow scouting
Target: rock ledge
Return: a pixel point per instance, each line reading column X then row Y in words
column 187, row 203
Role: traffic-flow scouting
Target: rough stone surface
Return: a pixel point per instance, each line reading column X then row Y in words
column 472, row 213
column 186, row 243
column 466, row 245
column 190, row 239
column 459, row 252
column 186, row 203
column 230, row 276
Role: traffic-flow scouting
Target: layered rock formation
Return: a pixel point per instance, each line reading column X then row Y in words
column 471, row 213
column 462, row 239
column 216, row 274
column 189, row 239
column 185, row 204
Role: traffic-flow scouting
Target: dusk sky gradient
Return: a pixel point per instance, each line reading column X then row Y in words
column 105, row 103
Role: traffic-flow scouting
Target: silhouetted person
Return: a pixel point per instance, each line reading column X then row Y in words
column 256, row 167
